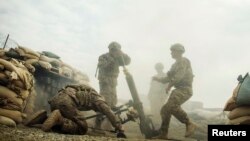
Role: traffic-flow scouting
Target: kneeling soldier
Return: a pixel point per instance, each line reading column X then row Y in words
column 66, row 107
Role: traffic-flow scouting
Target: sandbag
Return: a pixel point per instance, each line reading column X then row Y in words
column 3, row 76
column 239, row 112
column 25, row 77
column 9, row 66
column 67, row 72
column 50, row 54
column 3, row 79
column 14, row 115
column 10, row 95
column 24, row 94
column 17, row 63
column 243, row 96
column 231, row 103
column 7, row 121
column 21, row 93
column 45, row 65
column 67, row 65
column 20, row 51
column 51, row 60
column 29, row 51
column 18, row 83
column 30, row 56
column 11, row 75
column 11, row 106
column 240, row 121
column 1, row 67
column 30, row 68
column 31, row 61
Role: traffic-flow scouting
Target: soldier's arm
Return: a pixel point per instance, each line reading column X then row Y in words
column 163, row 80
column 124, row 58
column 105, row 62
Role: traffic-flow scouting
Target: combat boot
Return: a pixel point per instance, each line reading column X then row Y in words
column 37, row 118
column 190, row 128
column 120, row 131
column 55, row 118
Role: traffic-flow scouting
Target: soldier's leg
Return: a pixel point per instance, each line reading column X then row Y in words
column 64, row 109
column 165, row 116
column 181, row 96
column 74, row 126
column 68, row 126
column 106, row 91
column 166, row 111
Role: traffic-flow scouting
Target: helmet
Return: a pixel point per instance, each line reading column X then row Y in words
column 159, row 66
column 177, row 47
column 114, row 45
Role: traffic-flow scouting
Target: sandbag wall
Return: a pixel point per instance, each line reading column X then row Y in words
column 16, row 90
column 50, row 73
column 46, row 60
column 238, row 114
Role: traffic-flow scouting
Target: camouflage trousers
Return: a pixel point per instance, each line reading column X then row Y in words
column 108, row 91
column 74, row 122
column 173, row 107
column 72, row 119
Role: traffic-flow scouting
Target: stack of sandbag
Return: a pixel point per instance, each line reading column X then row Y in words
column 238, row 105
column 27, row 53
column 16, row 86
column 46, row 60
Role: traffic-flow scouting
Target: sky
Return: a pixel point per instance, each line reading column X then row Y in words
column 215, row 33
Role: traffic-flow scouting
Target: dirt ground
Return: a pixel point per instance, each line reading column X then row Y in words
column 22, row 133
column 132, row 131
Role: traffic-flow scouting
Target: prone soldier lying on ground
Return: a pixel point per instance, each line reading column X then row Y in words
column 65, row 110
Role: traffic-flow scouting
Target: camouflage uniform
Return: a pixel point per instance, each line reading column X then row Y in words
column 181, row 77
column 73, row 98
column 108, row 73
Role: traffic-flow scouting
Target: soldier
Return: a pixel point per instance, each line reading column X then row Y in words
column 108, row 65
column 66, row 107
column 179, row 76
column 157, row 95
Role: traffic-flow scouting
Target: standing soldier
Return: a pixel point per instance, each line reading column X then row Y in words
column 108, row 65
column 157, row 94
column 179, row 76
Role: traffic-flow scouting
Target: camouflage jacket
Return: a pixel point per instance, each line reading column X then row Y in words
column 109, row 66
column 84, row 96
column 180, row 74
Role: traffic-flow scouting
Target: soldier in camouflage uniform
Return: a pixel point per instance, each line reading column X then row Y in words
column 68, row 103
column 179, row 76
column 108, row 65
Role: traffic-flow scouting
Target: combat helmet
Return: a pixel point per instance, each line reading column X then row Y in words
column 177, row 47
column 114, row 45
